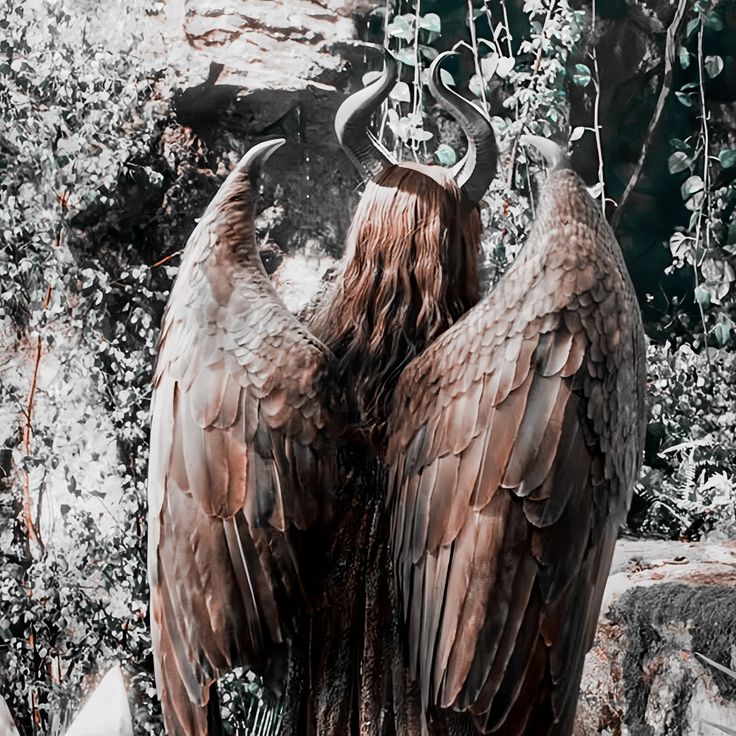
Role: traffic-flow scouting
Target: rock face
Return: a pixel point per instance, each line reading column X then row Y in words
column 665, row 603
column 250, row 69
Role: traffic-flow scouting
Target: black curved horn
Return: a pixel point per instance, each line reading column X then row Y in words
column 353, row 118
column 256, row 156
column 476, row 170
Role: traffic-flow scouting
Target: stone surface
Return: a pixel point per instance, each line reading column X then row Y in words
column 251, row 69
column 665, row 603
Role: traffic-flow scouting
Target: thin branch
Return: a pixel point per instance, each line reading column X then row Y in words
column 509, row 37
column 417, row 107
column 596, row 116
column 476, row 60
column 166, row 259
column 704, row 198
column 31, row 530
column 669, row 60
column 532, row 83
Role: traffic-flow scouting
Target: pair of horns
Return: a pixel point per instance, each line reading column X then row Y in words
column 473, row 173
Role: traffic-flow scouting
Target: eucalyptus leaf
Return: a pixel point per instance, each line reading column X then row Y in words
column 431, row 22
column 684, row 56
column 400, row 92
column 505, row 65
column 445, row 155
column 727, row 157
column 713, row 65
column 702, row 295
column 581, row 75
column 577, row 133
column 722, row 333
column 488, row 66
column 406, row 56
column 400, row 27
column 447, row 78
column 713, row 21
column 421, row 135
column 692, row 185
column 678, row 161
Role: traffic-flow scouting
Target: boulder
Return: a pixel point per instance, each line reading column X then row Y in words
column 667, row 605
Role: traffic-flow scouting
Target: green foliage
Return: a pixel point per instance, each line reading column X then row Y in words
column 708, row 244
column 78, row 116
column 691, row 490
column 83, row 121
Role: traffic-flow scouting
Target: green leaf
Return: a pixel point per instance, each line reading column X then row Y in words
column 713, row 21
column 692, row 26
column 476, row 85
column 684, row 56
column 577, row 133
column 678, row 162
column 722, row 333
column 445, row 155
column 369, row 77
column 400, row 92
column 685, row 98
column 691, row 185
column 431, row 22
column 406, row 56
column 727, row 157
column 428, row 52
column 702, row 295
column 488, row 66
column 713, row 65
column 447, row 78
column 581, row 75
column 505, row 65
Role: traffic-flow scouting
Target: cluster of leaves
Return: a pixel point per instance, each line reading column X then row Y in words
column 78, row 114
column 532, row 77
column 691, row 490
column 707, row 245
column 687, row 488
column 411, row 34
column 81, row 124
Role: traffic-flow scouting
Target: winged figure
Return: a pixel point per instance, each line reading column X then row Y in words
column 402, row 514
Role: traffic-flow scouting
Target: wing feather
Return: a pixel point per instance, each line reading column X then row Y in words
column 241, row 457
column 514, row 441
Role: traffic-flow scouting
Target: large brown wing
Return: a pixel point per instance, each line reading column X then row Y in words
column 514, row 444
column 240, row 460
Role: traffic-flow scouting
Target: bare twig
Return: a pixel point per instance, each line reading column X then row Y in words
column 669, row 60
column 704, row 197
column 166, row 259
column 525, row 112
column 596, row 116
column 417, row 107
column 31, row 530
column 476, row 60
column 509, row 38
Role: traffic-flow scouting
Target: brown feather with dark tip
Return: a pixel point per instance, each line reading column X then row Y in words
column 238, row 390
column 522, row 509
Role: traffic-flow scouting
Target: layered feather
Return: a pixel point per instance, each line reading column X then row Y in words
column 241, row 464
column 514, row 443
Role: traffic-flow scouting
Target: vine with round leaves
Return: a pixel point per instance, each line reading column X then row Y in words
column 708, row 244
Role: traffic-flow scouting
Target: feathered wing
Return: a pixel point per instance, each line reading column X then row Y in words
column 240, row 461
column 514, row 443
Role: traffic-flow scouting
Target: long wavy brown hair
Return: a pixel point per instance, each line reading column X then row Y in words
column 412, row 272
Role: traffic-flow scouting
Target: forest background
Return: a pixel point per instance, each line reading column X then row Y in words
column 118, row 124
